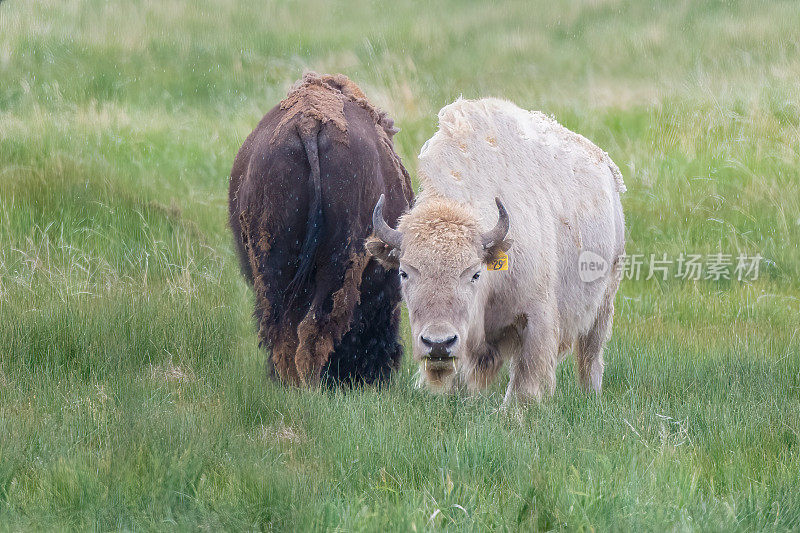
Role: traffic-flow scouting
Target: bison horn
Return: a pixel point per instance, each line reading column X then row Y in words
column 499, row 232
column 390, row 236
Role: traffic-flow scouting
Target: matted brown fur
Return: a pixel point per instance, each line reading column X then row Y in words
column 322, row 97
column 316, row 340
column 319, row 99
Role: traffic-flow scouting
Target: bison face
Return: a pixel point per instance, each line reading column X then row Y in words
column 440, row 298
column 440, row 253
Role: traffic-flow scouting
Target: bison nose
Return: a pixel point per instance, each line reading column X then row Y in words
column 438, row 346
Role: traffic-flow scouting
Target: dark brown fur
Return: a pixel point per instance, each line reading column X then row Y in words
column 301, row 194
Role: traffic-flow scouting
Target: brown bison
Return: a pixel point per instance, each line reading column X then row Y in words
column 301, row 194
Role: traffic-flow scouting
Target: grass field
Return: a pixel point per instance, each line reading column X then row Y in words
column 132, row 391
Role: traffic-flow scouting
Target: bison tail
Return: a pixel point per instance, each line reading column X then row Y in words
column 315, row 221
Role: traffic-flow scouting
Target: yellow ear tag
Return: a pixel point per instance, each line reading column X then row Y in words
column 498, row 262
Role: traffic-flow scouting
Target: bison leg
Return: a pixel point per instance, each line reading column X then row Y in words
column 369, row 352
column 483, row 368
column 268, row 253
column 533, row 369
column 321, row 329
column 589, row 348
column 498, row 348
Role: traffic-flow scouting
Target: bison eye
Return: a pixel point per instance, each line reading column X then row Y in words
column 403, row 274
column 476, row 276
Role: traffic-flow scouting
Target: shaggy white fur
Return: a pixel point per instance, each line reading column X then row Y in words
column 562, row 194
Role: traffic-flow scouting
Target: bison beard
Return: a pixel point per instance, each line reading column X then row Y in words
column 301, row 195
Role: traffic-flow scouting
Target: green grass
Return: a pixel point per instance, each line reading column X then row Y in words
column 132, row 391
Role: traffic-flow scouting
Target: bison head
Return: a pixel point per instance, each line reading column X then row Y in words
column 440, row 252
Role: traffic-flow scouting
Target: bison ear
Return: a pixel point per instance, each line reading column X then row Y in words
column 491, row 253
column 385, row 254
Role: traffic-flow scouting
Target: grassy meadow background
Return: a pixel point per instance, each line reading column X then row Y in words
column 132, row 391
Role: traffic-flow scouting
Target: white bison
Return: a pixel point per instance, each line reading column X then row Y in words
column 561, row 222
